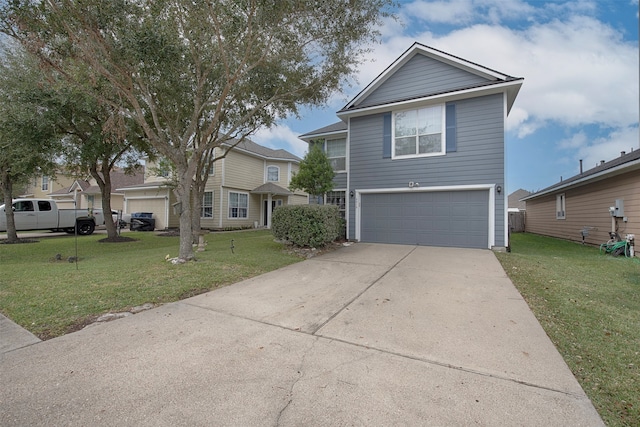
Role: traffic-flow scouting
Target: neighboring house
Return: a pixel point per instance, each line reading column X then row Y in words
column 420, row 155
column 44, row 185
column 516, row 204
column 602, row 199
column 517, row 210
column 85, row 194
column 242, row 190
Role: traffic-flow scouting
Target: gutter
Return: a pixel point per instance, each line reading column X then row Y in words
column 595, row 177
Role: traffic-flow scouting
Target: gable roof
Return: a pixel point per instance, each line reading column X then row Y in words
column 83, row 184
column 515, row 201
column 251, row 147
column 271, row 188
column 493, row 80
column 120, row 179
column 625, row 163
column 335, row 128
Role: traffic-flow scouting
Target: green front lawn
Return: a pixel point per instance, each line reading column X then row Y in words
column 52, row 297
column 589, row 305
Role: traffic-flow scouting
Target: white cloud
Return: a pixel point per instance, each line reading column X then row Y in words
column 455, row 11
column 577, row 71
column 464, row 12
column 577, row 140
column 608, row 147
column 281, row 136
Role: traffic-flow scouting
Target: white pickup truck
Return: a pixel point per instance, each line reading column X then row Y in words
column 43, row 214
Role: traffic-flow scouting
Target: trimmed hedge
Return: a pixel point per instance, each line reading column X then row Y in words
column 307, row 225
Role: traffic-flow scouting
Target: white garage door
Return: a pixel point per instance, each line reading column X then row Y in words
column 156, row 206
column 443, row 218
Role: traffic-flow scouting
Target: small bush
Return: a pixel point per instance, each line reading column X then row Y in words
column 307, row 225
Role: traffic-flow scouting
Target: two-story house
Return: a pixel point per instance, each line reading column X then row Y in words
column 74, row 192
column 242, row 189
column 420, row 153
column 43, row 186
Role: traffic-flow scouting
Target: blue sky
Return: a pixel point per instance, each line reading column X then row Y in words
column 580, row 98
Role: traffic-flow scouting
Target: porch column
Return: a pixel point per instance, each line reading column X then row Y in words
column 269, row 209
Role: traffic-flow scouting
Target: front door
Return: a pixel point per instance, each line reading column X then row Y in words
column 274, row 204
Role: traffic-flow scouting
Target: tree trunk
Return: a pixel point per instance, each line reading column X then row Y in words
column 104, row 182
column 196, row 207
column 7, row 190
column 112, row 231
column 183, row 193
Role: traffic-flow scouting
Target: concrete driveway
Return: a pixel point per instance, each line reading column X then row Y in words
column 366, row 335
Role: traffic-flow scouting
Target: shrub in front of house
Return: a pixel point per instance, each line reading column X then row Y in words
column 307, row 225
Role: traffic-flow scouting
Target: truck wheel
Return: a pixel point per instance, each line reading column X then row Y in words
column 86, row 227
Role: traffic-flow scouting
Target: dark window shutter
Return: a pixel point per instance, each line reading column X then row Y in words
column 450, row 123
column 386, row 136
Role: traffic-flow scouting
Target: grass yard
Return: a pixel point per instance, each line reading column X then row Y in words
column 50, row 297
column 589, row 305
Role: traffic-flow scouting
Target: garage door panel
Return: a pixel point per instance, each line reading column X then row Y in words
column 453, row 218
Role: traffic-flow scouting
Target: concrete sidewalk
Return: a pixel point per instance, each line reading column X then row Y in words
column 13, row 336
column 366, row 335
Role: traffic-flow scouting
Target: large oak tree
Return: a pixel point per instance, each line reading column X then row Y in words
column 29, row 139
column 192, row 73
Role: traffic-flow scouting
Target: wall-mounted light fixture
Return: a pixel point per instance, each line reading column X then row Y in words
column 351, row 193
column 499, row 189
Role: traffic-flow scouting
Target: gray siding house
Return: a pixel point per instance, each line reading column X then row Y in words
column 419, row 153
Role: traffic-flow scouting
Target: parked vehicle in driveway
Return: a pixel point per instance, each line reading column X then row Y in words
column 43, row 214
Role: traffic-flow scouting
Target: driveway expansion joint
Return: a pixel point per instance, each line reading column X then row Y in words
column 348, row 303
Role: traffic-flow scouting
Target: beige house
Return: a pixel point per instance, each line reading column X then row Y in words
column 43, row 186
column 70, row 192
column 590, row 204
column 242, row 190
column 86, row 193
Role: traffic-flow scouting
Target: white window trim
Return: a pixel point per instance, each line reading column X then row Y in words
column 229, row 206
column 203, row 206
column 326, row 148
column 561, row 206
column 443, row 142
column 45, row 183
column 277, row 168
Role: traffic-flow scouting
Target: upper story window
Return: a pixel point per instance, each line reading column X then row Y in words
column 337, row 153
column 561, row 206
column 45, row 183
column 273, row 173
column 419, row 133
